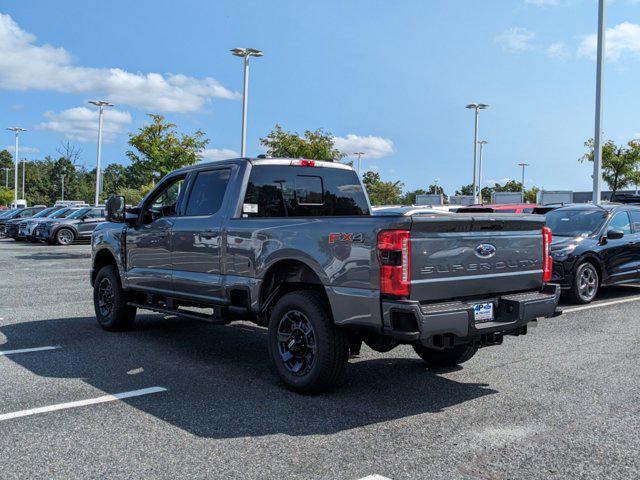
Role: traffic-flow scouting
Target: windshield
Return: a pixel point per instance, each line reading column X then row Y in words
column 6, row 213
column 62, row 213
column 79, row 213
column 43, row 213
column 575, row 223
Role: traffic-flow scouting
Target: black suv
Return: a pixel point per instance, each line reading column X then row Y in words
column 594, row 246
column 6, row 221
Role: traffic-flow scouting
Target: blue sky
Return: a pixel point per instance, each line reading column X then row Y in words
column 388, row 78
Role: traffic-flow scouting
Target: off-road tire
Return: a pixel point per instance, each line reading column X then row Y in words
column 121, row 316
column 586, row 284
column 449, row 357
column 331, row 343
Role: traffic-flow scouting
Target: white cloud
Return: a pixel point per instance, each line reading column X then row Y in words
column 516, row 39
column 22, row 149
column 622, row 39
column 81, row 123
column 25, row 65
column 373, row 147
column 558, row 50
column 218, row 154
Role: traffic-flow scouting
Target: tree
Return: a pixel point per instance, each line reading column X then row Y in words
column 465, row 190
column 6, row 159
column 160, row 149
column 619, row 163
column 314, row 145
column 114, row 178
column 6, row 196
column 382, row 193
column 531, row 195
column 435, row 189
column 409, row 198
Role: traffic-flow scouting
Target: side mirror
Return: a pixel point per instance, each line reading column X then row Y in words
column 615, row 234
column 115, row 209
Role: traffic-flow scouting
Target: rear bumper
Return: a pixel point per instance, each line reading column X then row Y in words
column 452, row 323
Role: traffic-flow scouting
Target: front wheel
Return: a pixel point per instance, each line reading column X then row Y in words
column 309, row 352
column 585, row 284
column 64, row 237
column 449, row 357
column 110, row 301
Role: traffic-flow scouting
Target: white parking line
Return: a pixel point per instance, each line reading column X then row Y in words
column 82, row 403
column 374, row 477
column 603, row 304
column 29, row 350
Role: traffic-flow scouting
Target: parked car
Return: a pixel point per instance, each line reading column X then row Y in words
column 499, row 208
column 291, row 245
column 27, row 228
column 594, row 246
column 77, row 225
column 18, row 214
column 12, row 227
column 42, row 228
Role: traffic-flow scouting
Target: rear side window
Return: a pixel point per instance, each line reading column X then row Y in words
column 289, row 191
column 635, row 220
column 207, row 192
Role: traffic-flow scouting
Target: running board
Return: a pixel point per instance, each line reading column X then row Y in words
column 180, row 313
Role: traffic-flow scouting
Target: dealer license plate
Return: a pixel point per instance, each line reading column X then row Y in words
column 483, row 312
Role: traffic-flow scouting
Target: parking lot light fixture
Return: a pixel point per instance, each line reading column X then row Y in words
column 245, row 54
column 6, row 177
column 523, row 165
column 17, row 131
column 359, row 155
column 597, row 138
column 100, row 104
column 476, row 107
column 482, row 143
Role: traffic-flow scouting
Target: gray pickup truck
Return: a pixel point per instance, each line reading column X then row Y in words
column 292, row 245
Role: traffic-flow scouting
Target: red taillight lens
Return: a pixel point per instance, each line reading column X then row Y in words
column 547, row 262
column 304, row 163
column 394, row 252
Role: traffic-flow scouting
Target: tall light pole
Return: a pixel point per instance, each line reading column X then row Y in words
column 62, row 176
column 523, row 165
column 482, row 143
column 476, row 107
column 245, row 53
column 17, row 131
column 24, row 169
column 597, row 138
column 6, row 177
column 359, row 154
column 101, row 104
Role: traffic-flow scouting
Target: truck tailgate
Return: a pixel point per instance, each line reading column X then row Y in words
column 466, row 255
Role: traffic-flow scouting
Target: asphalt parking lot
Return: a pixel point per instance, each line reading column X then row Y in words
column 201, row 401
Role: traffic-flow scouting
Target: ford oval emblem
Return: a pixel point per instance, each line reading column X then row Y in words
column 485, row 250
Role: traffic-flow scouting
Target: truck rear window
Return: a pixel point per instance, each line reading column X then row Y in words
column 290, row 191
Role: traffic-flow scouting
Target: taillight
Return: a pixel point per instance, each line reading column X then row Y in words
column 394, row 251
column 303, row 163
column 547, row 262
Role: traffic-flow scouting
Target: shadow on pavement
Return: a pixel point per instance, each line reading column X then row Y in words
column 607, row 294
column 55, row 255
column 219, row 380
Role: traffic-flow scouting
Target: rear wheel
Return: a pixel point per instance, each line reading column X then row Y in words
column 64, row 237
column 110, row 301
column 448, row 357
column 585, row 283
column 309, row 352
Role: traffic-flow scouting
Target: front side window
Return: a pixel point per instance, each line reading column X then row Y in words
column 165, row 202
column 620, row 221
column 208, row 192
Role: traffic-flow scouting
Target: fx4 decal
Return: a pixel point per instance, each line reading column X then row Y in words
column 346, row 237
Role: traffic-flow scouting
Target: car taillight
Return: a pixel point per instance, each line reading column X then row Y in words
column 547, row 262
column 394, row 252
